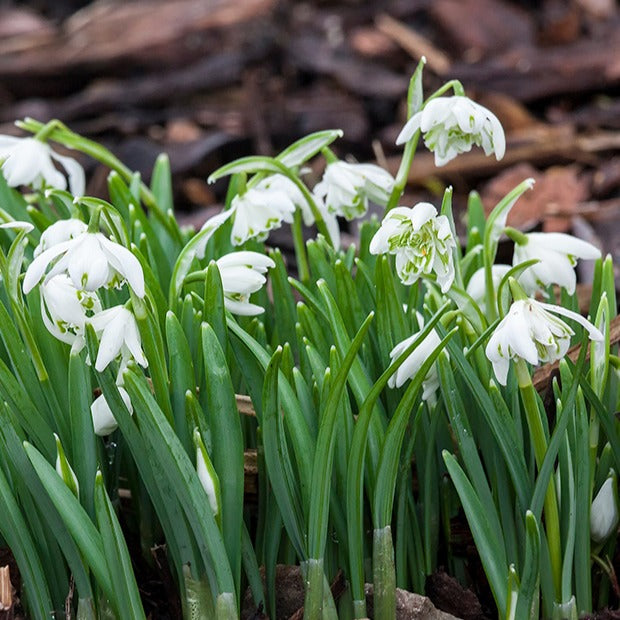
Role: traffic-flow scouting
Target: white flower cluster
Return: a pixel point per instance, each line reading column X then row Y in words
column 71, row 264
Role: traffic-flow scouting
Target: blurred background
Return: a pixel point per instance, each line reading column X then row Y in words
column 211, row 80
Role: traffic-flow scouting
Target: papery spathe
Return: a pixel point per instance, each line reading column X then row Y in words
column 452, row 125
column 28, row 161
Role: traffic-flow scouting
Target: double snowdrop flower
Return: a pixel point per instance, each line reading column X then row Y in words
column 452, row 125
column 346, row 188
column 28, row 161
column 263, row 208
column 557, row 253
column 411, row 366
column 89, row 258
column 242, row 275
column 532, row 333
column 422, row 242
column 65, row 309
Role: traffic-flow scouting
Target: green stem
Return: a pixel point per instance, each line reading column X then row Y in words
column 539, row 441
column 403, row 172
column 313, row 606
column 384, row 574
column 300, row 248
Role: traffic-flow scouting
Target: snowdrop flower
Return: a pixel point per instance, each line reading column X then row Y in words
column 530, row 332
column 421, row 241
column 28, row 161
column 281, row 183
column 65, row 309
column 346, row 188
column 557, row 253
column 90, row 259
column 242, row 275
column 410, row 367
column 59, row 232
column 452, row 125
column 119, row 335
column 261, row 209
column 604, row 515
column 104, row 421
column 476, row 287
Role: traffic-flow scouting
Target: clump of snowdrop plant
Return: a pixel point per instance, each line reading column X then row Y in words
column 131, row 350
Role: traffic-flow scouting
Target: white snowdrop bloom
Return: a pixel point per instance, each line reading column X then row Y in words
column 346, row 188
column 421, row 241
column 476, row 287
column 410, row 367
column 59, row 232
column 452, row 125
column 604, row 515
column 531, row 332
column 261, row 209
column 90, row 259
column 28, row 161
column 281, row 183
column 242, row 275
column 118, row 333
column 558, row 254
column 104, row 421
column 65, row 309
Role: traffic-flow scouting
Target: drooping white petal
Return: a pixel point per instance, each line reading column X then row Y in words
column 37, row 267
column 77, row 180
column 104, row 421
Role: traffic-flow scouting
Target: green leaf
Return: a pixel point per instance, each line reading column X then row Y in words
column 161, row 183
column 227, row 450
column 183, row 478
column 248, row 165
column 324, row 455
column 527, row 602
column 489, row 547
column 277, row 459
column 17, row 535
column 306, row 148
column 75, row 518
column 387, row 472
column 127, row 597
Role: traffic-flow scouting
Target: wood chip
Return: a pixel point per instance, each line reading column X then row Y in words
column 414, row 44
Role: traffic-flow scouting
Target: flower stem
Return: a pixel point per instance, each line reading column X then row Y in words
column 384, row 574
column 539, row 441
column 403, row 172
column 300, row 248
